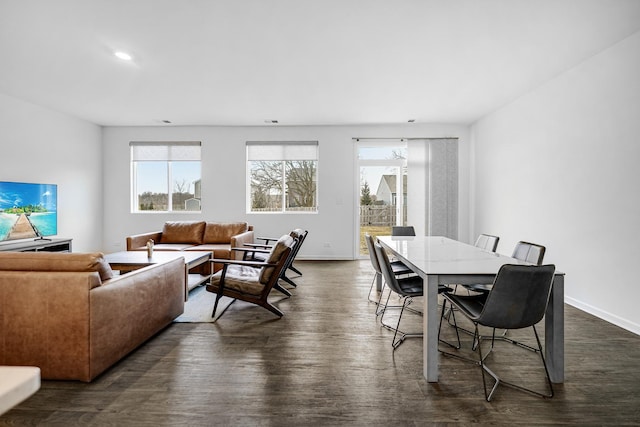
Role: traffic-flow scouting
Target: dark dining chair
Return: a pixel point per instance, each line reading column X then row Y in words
column 486, row 242
column 403, row 230
column 407, row 288
column 523, row 251
column 530, row 252
column 398, row 268
column 489, row 243
column 518, row 299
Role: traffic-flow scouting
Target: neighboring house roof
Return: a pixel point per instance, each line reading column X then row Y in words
column 390, row 181
column 387, row 188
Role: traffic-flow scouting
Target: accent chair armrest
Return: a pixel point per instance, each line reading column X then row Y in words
column 258, row 245
column 249, row 249
column 241, row 262
column 267, row 239
column 240, row 240
column 249, row 253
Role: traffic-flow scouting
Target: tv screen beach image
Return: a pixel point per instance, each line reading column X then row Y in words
column 27, row 210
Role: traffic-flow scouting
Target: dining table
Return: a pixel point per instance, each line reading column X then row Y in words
column 440, row 260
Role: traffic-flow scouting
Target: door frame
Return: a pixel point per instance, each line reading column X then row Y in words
column 400, row 164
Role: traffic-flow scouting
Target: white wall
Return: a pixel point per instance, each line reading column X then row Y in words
column 559, row 167
column 41, row 145
column 224, row 172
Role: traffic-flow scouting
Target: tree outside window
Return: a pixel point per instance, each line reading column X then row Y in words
column 278, row 182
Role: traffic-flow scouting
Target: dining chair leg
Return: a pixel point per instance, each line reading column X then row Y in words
column 382, row 307
column 504, row 337
column 373, row 282
column 444, row 305
column 396, row 329
column 498, row 380
column 395, row 343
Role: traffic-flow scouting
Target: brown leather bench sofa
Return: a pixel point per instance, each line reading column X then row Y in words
column 67, row 314
column 217, row 237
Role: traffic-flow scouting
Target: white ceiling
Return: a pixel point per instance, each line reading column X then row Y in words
column 302, row 62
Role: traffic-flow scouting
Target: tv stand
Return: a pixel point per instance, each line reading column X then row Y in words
column 38, row 245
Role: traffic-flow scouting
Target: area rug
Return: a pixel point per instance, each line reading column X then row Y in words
column 198, row 308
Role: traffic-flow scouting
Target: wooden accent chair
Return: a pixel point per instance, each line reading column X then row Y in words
column 251, row 281
column 260, row 251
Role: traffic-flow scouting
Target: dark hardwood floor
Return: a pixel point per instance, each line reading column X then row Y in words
column 328, row 362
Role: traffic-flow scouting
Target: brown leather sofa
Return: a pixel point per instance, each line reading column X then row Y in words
column 67, row 314
column 217, row 237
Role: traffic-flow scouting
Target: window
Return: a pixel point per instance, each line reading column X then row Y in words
column 282, row 176
column 165, row 176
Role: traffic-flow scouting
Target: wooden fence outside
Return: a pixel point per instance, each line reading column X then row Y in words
column 380, row 215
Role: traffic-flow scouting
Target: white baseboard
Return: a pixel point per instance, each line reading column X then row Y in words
column 604, row 315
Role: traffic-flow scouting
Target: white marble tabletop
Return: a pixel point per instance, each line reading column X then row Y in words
column 441, row 255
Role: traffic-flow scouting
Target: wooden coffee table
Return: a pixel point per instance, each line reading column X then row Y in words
column 127, row 261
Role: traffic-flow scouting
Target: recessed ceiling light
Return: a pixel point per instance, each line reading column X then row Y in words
column 123, row 55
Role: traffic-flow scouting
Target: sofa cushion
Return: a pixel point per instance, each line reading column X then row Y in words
column 219, row 250
column 182, row 232
column 222, row 232
column 171, row 247
column 56, row 261
column 277, row 250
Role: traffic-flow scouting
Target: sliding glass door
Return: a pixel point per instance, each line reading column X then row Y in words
column 382, row 201
column 406, row 180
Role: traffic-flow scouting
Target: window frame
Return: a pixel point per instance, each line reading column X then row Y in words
column 169, row 153
column 286, row 151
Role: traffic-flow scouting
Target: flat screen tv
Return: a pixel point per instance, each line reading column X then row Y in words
column 28, row 210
